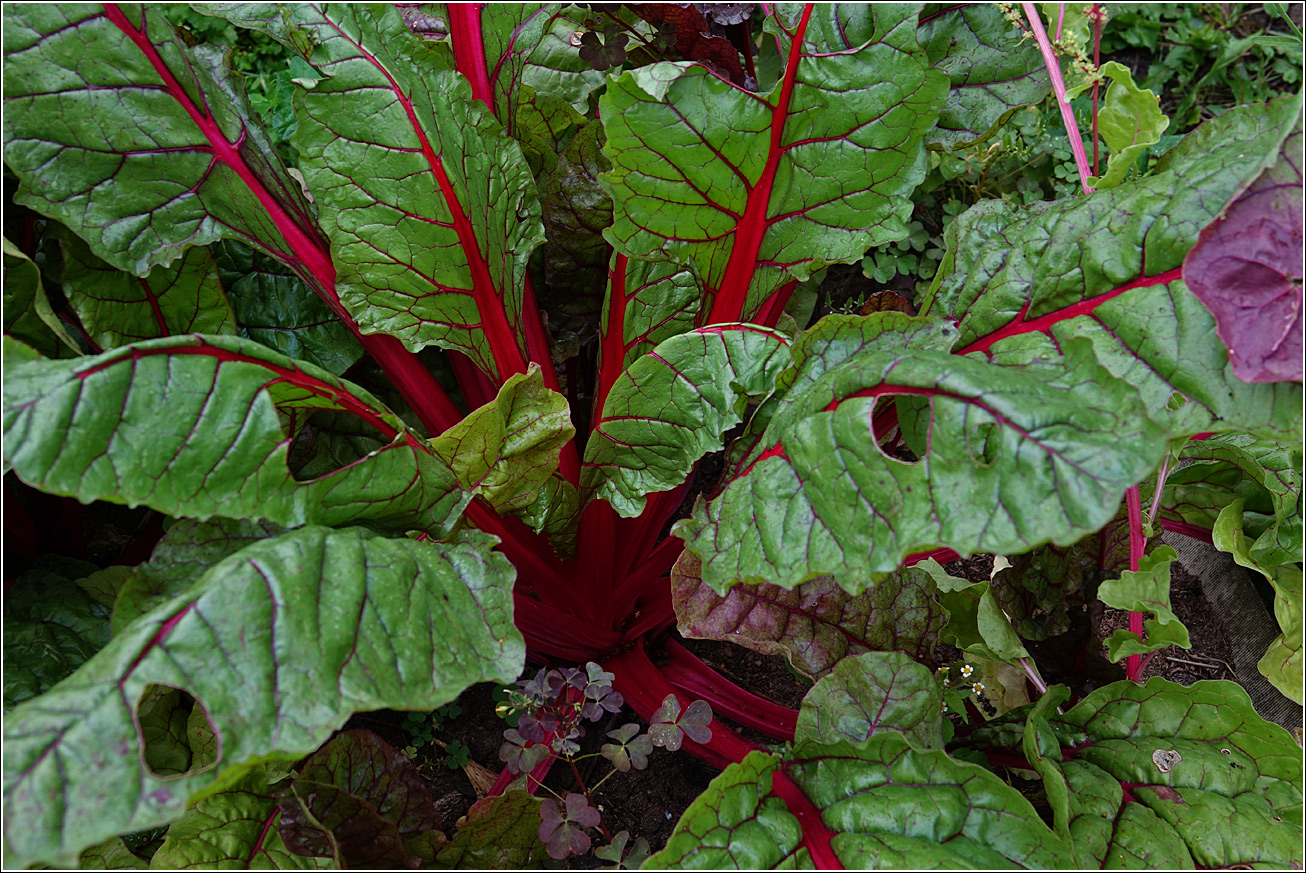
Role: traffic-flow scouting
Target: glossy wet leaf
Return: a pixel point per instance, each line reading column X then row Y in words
column 871, row 693
column 815, row 625
column 393, row 624
column 1247, row 268
column 189, row 426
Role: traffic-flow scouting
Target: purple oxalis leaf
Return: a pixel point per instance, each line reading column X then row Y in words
column 1247, row 268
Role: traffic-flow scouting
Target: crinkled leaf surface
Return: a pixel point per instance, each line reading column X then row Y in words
column 498, row 833
column 1247, row 268
column 118, row 308
column 1266, row 475
column 430, row 246
column 1160, row 775
column 112, row 854
column 51, row 627
column 873, row 692
column 1282, row 663
column 1023, row 282
column 889, row 805
column 760, row 189
column 280, row 643
column 992, row 71
column 1130, row 121
column 277, row 308
column 105, row 100
column 1145, row 590
column 576, row 209
column 1039, row 587
column 357, row 800
column 1015, row 456
column 815, row 625
column 27, row 312
column 185, row 553
column 505, row 450
column 673, row 405
column 235, row 828
column 189, row 426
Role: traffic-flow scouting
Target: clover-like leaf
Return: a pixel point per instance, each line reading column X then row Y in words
column 616, row 852
column 561, row 829
column 631, row 748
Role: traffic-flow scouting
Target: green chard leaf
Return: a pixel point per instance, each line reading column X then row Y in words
column 279, row 652
column 1024, row 282
column 27, row 312
column 882, row 803
column 1145, row 590
column 673, row 405
column 431, row 246
column 189, row 426
column 992, row 70
column 753, row 189
column 870, row 693
column 1130, row 122
column 117, row 308
column 817, row 625
column 233, row 829
column 112, row 854
column 1168, row 777
column 105, row 100
column 498, row 833
column 976, row 623
column 1282, row 663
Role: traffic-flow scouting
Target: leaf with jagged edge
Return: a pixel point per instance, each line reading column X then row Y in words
column 118, row 308
column 431, row 246
column 756, row 189
column 1018, row 456
column 1168, row 777
column 870, row 693
column 1267, row 475
column 1282, row 663
column 105, row 100
column 189, row 426
column 234, row 828
column 27, row 312
column 506, row 450
column 816, row 625
column 889, row 805
column 277, row 308
column 184, row 554
column 1023, row 282
column 993, row 71
column 1146, row 589
column 672, row 406
column 279, row 653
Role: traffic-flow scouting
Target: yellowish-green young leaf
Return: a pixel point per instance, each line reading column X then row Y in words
column 1147, row 590
column 1130, row 121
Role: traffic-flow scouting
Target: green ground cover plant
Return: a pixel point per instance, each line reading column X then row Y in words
column 418, row 323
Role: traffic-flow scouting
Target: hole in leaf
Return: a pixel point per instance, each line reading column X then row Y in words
column 886, row 432
column 176, row 736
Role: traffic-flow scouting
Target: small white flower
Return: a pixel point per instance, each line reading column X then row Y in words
column 945, row 706
column 946, row 682
column 966, row 670
column 978, row 688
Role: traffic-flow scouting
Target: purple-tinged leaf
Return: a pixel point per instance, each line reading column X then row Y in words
column 873, row 692
column 669, row 726
column 233, row 829
column 102, row 100
column 1023, row 282
column 815, row 625
column 560, row 829
column 118, row 308
column 631, row 748
column 672, row 406
column 27, row 313
column 356, row 801
column 189, row 426
column 277, row 653
column 1247, row 269
column 889, row 805
column 756, row 190
column 523, row 755
column 1167, row 776
column 498, row 833
column 992, row 70
column 430, row 246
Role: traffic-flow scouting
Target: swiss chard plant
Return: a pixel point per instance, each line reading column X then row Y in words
column 434, row 400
